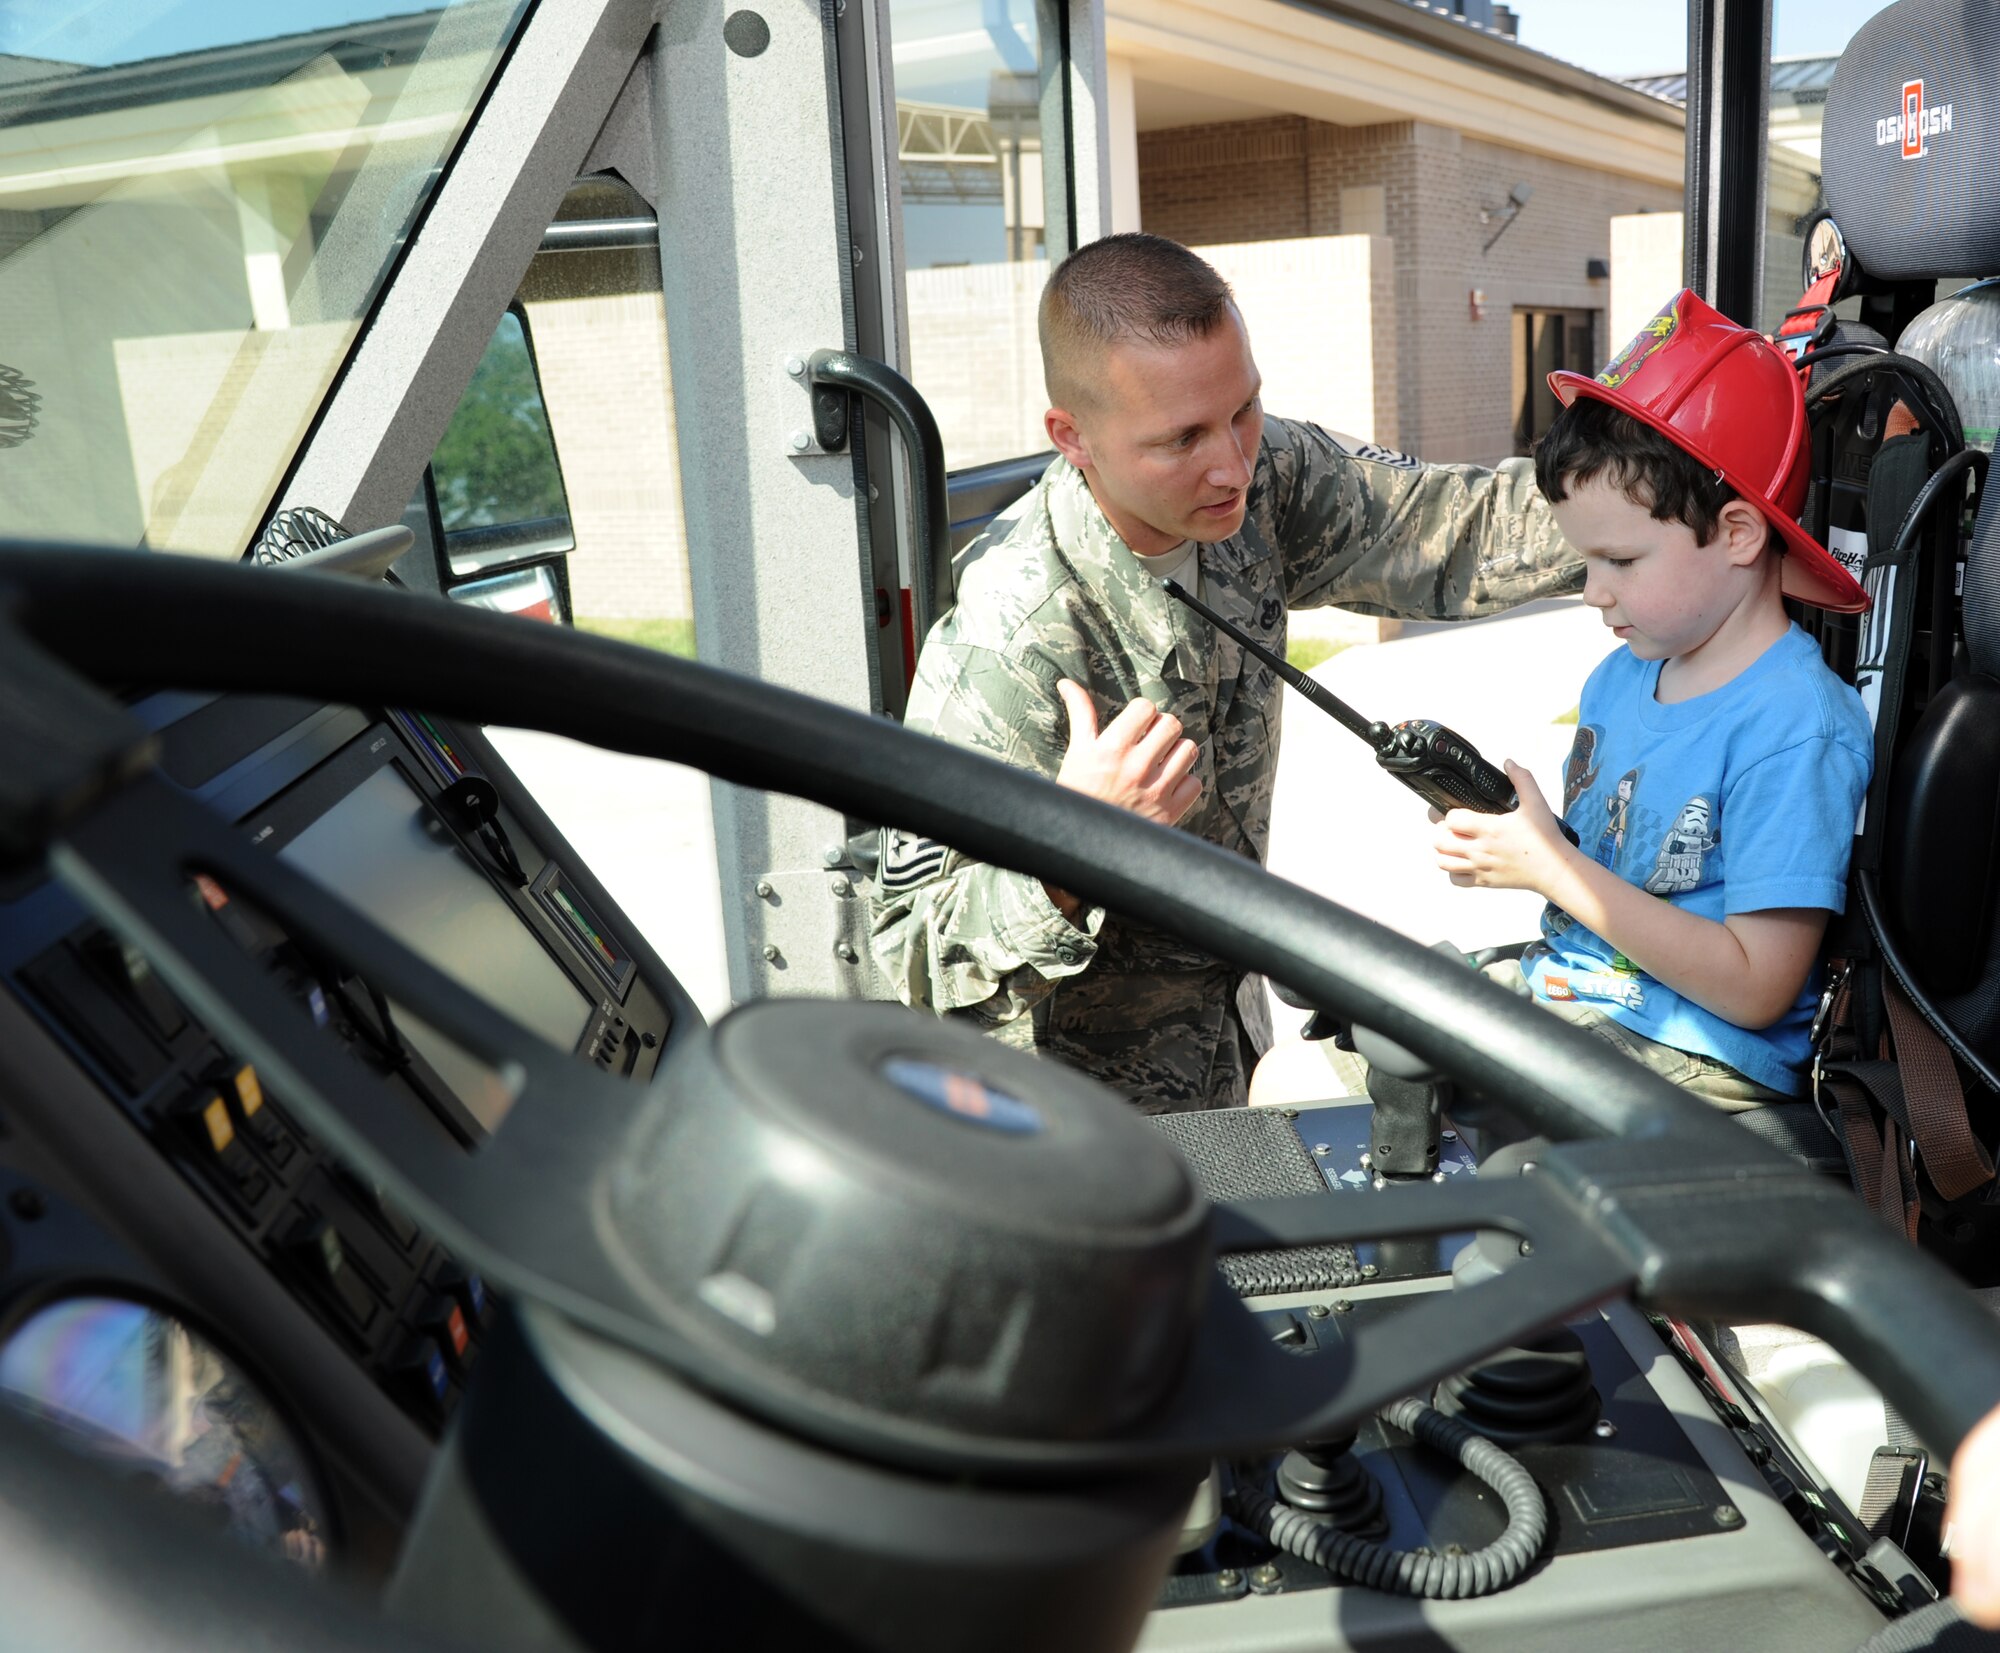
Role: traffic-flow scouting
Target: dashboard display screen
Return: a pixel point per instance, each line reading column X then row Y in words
column 383, row 851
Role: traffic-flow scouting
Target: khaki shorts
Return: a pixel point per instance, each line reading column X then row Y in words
column 1714, row 1081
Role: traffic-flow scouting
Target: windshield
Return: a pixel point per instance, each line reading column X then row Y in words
column 199, row 200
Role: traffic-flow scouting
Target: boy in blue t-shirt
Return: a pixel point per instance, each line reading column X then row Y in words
column 1718, row 763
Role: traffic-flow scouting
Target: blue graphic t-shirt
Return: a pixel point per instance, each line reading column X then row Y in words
column 1737, row 801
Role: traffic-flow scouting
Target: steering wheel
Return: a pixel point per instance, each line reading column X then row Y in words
column 1644, row 1192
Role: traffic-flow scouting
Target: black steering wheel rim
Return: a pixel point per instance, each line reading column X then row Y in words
column 1686, row 1204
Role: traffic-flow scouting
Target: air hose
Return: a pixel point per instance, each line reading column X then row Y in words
column 1412, row 1572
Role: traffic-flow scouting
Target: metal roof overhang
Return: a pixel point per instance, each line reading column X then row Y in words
column 1370, row 62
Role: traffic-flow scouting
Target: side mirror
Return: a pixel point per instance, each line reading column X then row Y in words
column 502, row 529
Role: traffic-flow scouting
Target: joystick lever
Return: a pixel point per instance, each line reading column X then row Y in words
column 1408, row 1097
column 1327, row 1480
column 1406, row 1123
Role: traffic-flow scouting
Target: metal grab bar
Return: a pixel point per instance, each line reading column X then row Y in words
column 930, row 565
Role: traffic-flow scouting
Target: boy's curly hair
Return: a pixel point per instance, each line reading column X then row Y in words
column 1592, row 439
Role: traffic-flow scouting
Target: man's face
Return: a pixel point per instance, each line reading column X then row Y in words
column 1170, row 440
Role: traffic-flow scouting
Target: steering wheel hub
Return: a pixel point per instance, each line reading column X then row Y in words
column 910, row 1218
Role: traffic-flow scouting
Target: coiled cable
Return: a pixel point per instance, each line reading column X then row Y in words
column 1411, row 1572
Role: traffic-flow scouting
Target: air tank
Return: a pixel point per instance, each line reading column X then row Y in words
column 1958, row 339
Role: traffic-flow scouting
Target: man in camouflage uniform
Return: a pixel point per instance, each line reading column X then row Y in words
column 1064, row 655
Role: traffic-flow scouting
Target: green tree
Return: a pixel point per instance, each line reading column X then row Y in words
column 497, row 462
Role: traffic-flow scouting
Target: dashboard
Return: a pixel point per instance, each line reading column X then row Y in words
column 191, row 1287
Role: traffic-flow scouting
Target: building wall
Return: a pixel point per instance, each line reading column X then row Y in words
column 1324, row 308
column 1288, row 177
column 1330, row 299
column 604, row 370
column 1648, row 264
column 1364, row 333
column 974, row 355
column 1234, row 181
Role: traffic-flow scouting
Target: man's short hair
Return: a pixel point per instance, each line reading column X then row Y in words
column 1129, row 286
column 1592, row 439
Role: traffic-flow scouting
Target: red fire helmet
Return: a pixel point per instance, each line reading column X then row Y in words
column 1729, row 397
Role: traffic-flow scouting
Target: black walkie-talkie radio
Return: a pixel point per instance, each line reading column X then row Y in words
column 1440, row 767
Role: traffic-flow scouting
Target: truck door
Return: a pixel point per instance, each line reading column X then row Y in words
column 884, row 178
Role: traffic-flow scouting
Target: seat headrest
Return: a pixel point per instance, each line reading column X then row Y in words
column 1910, row 150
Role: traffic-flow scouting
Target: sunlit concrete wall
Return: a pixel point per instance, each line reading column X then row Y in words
column 1321, row 312
column 1320, row 309
column 973, row 350
column 1323, row 322
column 1646, row 259
column 603, row 366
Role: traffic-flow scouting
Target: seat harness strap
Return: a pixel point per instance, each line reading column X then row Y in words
column 1957, row 1160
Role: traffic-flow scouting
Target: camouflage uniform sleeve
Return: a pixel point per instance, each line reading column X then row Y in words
column 952, row 933
column 1385, row 536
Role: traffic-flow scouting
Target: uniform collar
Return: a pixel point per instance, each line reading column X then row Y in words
column 1085, row 533
column 1202, row 668
column 1108, row 567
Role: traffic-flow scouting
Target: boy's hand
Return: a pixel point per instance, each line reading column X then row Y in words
column 1972, row 1519
column 1521, row 850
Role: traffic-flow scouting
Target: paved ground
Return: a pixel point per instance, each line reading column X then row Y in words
column 645, row 829
column 1341, row 827
column 1344, row 829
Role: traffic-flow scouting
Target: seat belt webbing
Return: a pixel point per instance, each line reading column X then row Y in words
column 1956, row 1160
column 1878, row 1147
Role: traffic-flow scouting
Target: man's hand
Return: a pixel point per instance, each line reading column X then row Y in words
column 1521, row 850
column 1140, row 761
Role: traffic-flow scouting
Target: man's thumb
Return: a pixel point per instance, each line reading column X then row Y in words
column 1081, row 708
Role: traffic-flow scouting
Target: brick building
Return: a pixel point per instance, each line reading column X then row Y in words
column 1477, row 272
column 1417, row 212
column 1492, row 170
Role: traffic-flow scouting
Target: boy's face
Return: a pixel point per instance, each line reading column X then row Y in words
column 1659, row 588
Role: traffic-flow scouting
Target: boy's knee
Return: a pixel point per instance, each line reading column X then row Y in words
column 1303, row 1071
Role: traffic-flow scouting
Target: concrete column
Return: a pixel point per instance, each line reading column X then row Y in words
column 1088, row 93
column 1646, row 266
column 270, row 212
column 1122, row 123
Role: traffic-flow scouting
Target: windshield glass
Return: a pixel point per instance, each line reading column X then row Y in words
column 199, row 200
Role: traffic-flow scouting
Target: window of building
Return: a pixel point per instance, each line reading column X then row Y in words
column 1545, row 342
column 983, row 164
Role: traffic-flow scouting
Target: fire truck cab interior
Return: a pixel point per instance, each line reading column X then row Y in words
column 393, row 1254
